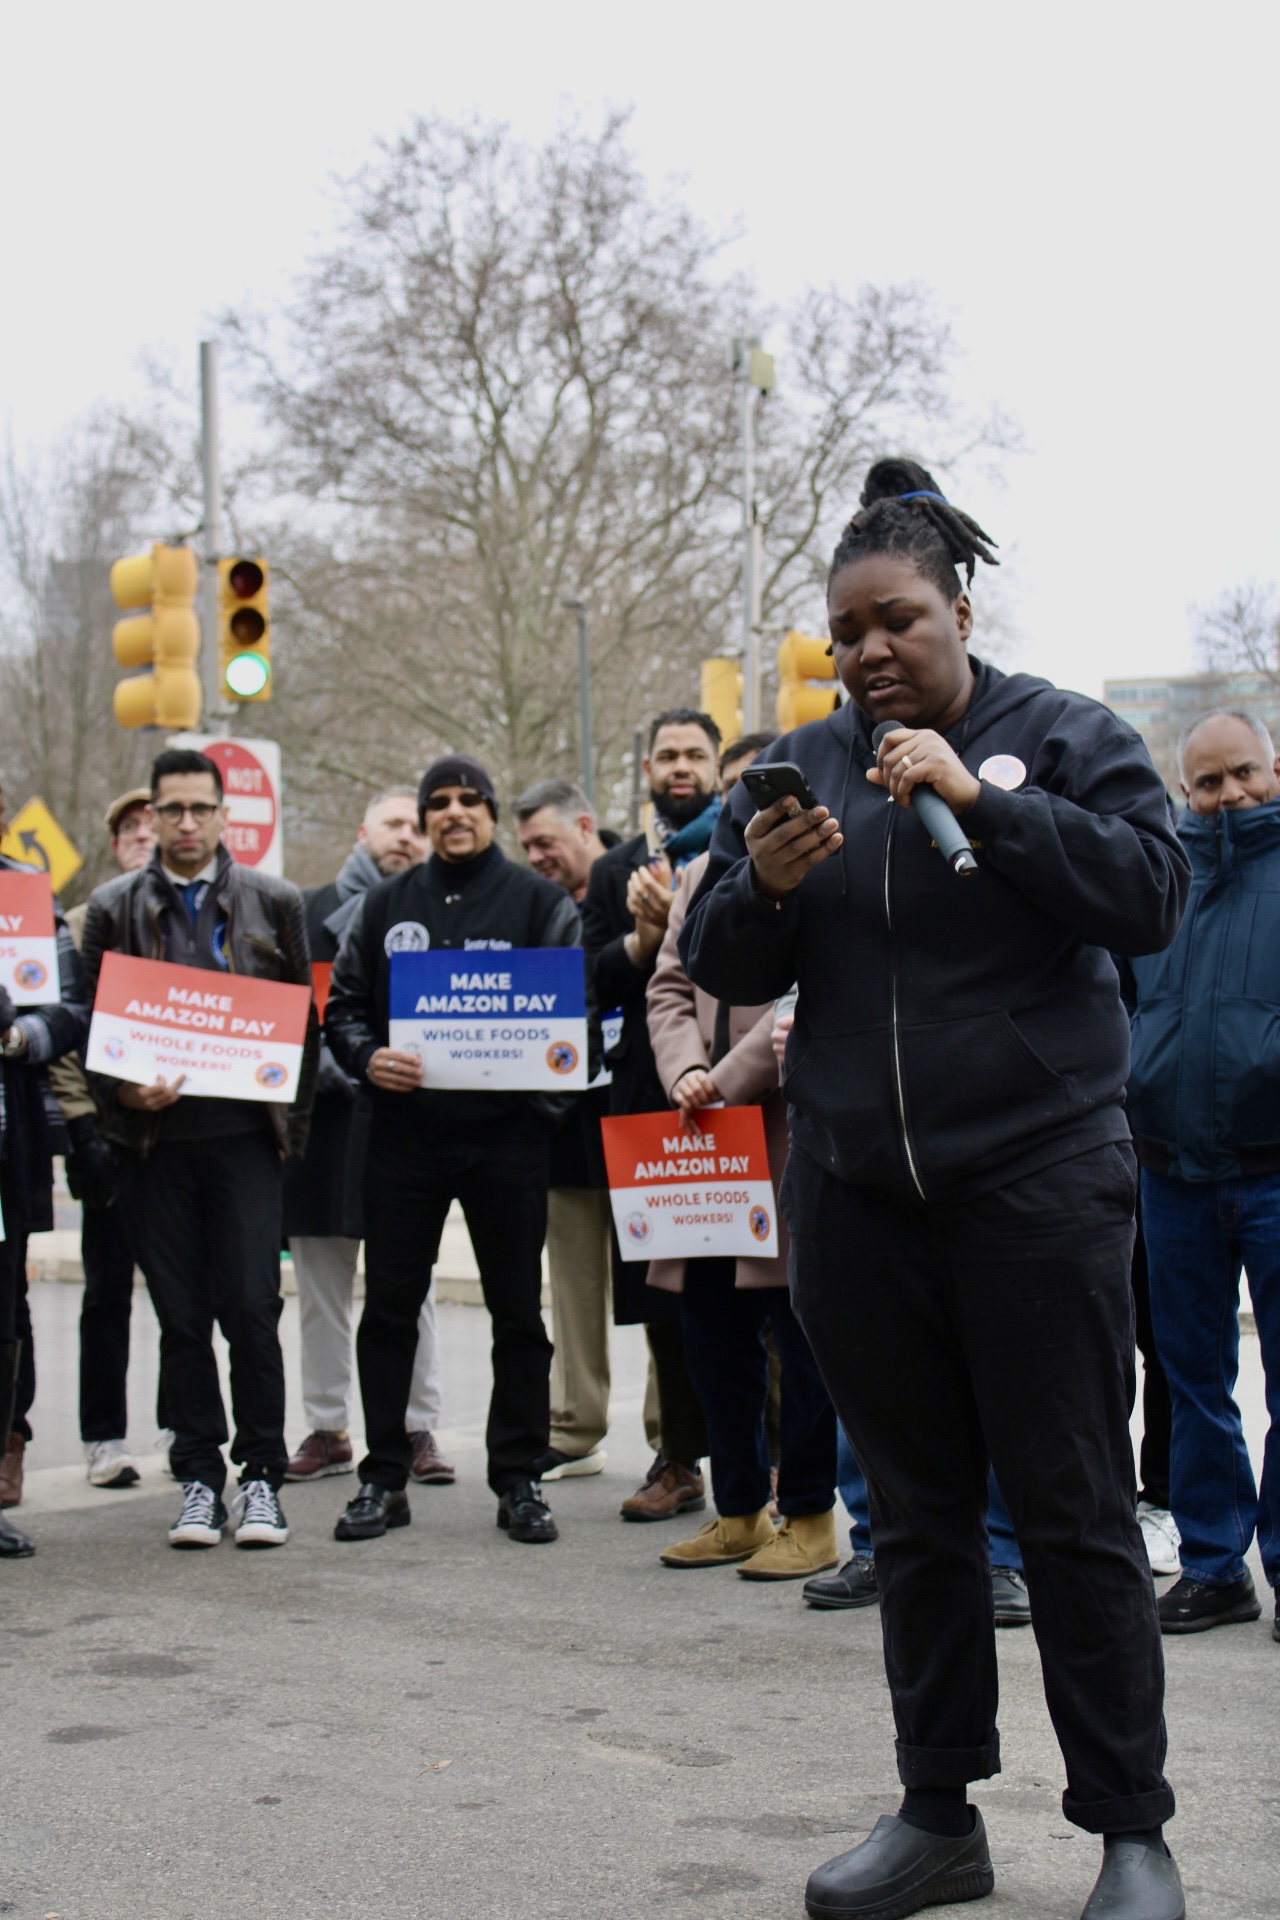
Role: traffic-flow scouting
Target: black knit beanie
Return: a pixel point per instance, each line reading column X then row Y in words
column 455, row 770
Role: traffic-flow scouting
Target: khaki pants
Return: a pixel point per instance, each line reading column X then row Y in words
column 580, row 1264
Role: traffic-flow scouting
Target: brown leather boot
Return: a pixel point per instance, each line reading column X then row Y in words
column 668, row 1489
column 430, row 1468
column 11, row 1471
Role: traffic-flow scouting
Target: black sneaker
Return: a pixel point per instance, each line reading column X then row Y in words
column 1192, row 1606
column 1009, row 1592
column 525, row 1514
column 202, row 1518
column 853, row 1586
column 372, row 1512
column 259, row 1517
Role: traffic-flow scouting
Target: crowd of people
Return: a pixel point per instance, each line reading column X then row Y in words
column 945, row 1336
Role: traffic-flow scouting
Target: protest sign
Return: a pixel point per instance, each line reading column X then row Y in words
column 229, row 1035
column 680, row 1195
column 28, row 944
column 493, row 1019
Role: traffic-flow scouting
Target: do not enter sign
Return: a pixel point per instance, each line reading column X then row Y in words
column 250, row 772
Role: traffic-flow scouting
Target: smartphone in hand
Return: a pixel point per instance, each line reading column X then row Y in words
column 775, row 781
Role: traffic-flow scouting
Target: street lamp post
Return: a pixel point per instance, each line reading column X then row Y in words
column 587, row 778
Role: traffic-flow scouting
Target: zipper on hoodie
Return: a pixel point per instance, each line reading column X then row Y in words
column 893, row 990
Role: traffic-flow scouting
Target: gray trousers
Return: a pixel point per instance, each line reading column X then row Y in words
column 325, row 1269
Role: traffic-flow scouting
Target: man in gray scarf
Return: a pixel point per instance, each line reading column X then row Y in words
column 323, row 1215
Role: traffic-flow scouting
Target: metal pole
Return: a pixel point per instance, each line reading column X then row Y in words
column 750, row 585
column 585, row 760
column 636, row 809
column 212, row 474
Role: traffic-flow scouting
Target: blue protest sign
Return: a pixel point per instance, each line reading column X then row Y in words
column 512, row 1020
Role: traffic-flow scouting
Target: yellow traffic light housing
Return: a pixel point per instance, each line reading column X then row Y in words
column 167, row 639
column 244, row 628
column 720, row 695
column 803, row 658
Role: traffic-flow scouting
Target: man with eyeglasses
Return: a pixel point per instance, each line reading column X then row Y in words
column 202, row 1177
column 429, row 1146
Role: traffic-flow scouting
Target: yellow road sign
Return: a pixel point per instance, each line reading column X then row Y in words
column 35, row 836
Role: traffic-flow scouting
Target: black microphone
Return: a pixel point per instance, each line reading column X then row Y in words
column 935, row 815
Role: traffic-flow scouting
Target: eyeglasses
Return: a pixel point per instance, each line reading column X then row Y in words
column 175, row 811
column 441, row 802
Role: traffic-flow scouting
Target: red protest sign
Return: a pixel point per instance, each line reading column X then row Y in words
column 227, row 1034
column 677, row 1194
column 28, row 942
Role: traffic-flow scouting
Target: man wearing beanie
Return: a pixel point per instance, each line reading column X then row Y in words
column 429, row 1146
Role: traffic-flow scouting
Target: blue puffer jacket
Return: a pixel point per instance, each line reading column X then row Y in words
column 1204, row 1086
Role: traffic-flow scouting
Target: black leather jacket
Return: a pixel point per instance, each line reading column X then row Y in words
column 266, row 939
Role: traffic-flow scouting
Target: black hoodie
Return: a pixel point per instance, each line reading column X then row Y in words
column 954, row 1033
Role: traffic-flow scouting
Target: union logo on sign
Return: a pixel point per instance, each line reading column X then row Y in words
column 114, row 1049
column 271, row 1074
column 760, row 1223
column 30, row 974
column 562, row 1056
column 638, row 1228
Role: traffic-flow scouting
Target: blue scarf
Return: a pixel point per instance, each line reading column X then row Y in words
column 694, row 837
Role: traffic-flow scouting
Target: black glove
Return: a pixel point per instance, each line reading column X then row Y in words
column 90, row 1164
column 8, row 1013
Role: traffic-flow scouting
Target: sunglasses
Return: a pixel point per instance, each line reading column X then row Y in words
column 440, row 802
column 174, row 811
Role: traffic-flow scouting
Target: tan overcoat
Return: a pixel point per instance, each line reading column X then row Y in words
column 682, row 1021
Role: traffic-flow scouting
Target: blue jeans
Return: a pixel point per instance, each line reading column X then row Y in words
column 852, row 1489
column 1199, row 1234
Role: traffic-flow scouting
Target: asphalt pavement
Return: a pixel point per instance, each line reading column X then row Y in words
column 443, row 1725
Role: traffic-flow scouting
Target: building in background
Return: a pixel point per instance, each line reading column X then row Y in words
column 1160, row 709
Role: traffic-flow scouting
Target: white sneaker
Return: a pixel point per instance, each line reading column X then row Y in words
column 202, row 1518
column 1161, row 1537
column 259, row 1516
column 570, row 1466
column 110, row 1464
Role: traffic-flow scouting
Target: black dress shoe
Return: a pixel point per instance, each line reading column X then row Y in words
column 1190, row 1606
column 1009, row 1593
column 898, row 1870
column 14, row 1545
column 525, row 1514
column 373, row 1510
column 1136, row 1883
column 853, row 1586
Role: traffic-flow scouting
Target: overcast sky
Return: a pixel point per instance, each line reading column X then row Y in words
column 1091, row 191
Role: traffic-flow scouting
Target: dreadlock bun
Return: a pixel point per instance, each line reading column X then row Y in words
column 890, row 479
column 903, row 511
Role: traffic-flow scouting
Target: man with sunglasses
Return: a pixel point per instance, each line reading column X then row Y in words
column 202, row 1178
column 429, row 1146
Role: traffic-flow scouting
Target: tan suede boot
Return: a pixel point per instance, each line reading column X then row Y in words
column 722, row 1540
column 805, row 1543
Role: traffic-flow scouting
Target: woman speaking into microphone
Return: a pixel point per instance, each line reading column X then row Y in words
column 960, row 1189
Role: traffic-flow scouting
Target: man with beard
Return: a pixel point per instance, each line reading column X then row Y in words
column 624, row 918
column 323, row 1206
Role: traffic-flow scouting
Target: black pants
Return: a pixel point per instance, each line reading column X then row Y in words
column 996, row 1330
column 1157, row 1407
column 15, row 1317
column 107, row 1254
column 500, row 1179
column 682, row 1426
column 204, row 1219
column 724, row 1345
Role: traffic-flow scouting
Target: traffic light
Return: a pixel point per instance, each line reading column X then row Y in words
column 244, row 628
column 720, row 695
column 167, row 639
column 803, row 658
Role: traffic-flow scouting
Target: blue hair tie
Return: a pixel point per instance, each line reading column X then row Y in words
column 923, row 493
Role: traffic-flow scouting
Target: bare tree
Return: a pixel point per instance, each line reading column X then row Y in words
column 1240, row 632
column 509, row 382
